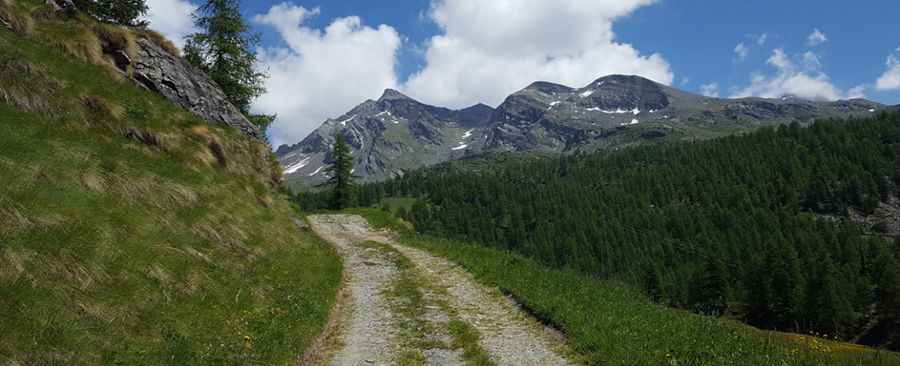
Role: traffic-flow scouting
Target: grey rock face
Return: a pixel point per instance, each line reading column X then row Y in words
column 181, row 83
column 62, row 5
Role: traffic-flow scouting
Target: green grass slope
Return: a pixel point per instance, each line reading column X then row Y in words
column 131, row 232
column 608, row 323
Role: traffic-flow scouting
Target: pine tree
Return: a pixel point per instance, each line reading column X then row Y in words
column 888, row 297
column 712, row 293
column 122, row 12
column 341, row 174
column 828, row 308
column 652, row 285
column 224, row 50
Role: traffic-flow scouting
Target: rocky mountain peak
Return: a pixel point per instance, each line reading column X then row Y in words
column 548, row 88
column 626, row 92
column 391, row 94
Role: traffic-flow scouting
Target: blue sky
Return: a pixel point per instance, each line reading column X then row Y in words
column 327, row 56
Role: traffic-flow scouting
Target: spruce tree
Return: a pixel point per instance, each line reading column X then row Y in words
column 224, row 49
column 341, row 174
column 652, row 285
column 888, row 297
column 712, row 294
column 122, row 12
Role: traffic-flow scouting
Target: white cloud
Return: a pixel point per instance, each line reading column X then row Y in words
column 710, row 90
column 816, row 38
column 171, row 18
column 857, row 92
column 761, row 40
column 780, row 60
column 489, row 49
column 742, row 51
column 890, row 80
column 321, row 73
column 811, row 61
column 809, row 82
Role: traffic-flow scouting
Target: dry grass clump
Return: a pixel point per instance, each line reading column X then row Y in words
column 214, row 153
column 13, row 264
column 166, row 195
column 17, row 20
column 118, row 44
column 160, row 40
column 12, row 219
column 109, row 46
column 103, row 107
column 26, row 86
column 94, row 181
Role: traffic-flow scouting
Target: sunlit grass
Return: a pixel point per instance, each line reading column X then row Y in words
column 609, row 323
column 115, row 251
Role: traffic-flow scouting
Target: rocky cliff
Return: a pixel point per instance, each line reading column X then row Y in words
column 172, row 77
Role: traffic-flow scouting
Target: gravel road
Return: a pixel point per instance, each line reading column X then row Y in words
column 369, row 333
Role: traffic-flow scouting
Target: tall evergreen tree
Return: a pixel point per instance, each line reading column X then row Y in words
column 712, row 292
column 652, row 285
column 341, row 174
column 888, row 298
column 224, row 49
column 828, row 309
column 123, row 12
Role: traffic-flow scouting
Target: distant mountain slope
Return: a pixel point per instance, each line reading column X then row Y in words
column 392, row 134
column 619, row 110
column 397, row 133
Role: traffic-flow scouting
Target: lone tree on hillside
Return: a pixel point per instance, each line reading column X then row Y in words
column 341, row 174
column 224, row 49
column 124, row 12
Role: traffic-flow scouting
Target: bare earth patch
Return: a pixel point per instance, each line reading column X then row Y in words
column 369, row 334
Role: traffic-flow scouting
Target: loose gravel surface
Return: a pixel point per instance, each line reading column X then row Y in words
column 368, row 328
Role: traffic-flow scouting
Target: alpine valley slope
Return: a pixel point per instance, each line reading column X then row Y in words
column 397, row 133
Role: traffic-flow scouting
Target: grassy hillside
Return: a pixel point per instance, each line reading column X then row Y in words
column 131, row 232
column 608, row 323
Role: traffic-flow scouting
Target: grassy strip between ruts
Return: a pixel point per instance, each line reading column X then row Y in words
column 409, row 304
column 610, row 324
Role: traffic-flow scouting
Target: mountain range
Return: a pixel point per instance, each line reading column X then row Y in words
column 397, row 133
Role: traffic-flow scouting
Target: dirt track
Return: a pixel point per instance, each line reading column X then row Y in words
column 369, row 327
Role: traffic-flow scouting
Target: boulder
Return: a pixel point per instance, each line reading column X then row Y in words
column 62, row 5
column 174, row 78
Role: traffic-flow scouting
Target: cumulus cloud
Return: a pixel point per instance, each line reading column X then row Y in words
column 321, row 73
column 762, row 39
column 172, row 18
column 741, row 51
column 489, row 49
column 811, row 61
column 890, row 80
column 856, row 92
column 808, row 82
column 710, row 90
column 816, row 38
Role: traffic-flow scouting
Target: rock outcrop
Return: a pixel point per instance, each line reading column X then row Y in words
column 62, row 5
column 172, row 77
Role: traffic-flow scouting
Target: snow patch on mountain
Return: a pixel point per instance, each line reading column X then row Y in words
column 313, row 174
column 344, row 122
column 295, row 167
